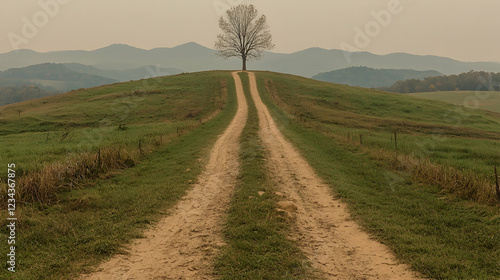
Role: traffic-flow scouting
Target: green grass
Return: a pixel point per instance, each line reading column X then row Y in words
column 441, row 236
column 437, row 235
column 482, row 100
column 255, row 232
column 90, row 224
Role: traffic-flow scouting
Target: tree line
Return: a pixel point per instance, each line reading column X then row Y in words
column 473, row 80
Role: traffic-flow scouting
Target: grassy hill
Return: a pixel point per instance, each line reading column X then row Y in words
column 372, row 78
column 432, row 200
column 481, row 100
column 119, row 154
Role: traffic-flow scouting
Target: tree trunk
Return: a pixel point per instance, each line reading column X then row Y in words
column 244, row 58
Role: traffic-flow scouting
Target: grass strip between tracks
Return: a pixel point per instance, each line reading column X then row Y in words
column 256, row 233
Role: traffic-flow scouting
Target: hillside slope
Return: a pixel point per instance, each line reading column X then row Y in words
column 417, row 174
column 489, row 100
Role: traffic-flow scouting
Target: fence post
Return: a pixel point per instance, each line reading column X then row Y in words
column 498, row 185
column 396, row 144
column 396, row 140
column 99, row 160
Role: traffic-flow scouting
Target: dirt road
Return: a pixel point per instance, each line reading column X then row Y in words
column 335, row 245
column 184, row 244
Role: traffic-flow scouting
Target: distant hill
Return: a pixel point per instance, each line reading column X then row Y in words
column 19, row 84
column 9, row 95
column 149, row 71
column 52, row 77
column 192, row 57
column 472, row 80
column 372, row 78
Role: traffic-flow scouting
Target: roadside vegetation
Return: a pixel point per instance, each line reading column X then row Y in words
column 95, row 167
column 418, row 198
column 256, row 234
column 177, row 122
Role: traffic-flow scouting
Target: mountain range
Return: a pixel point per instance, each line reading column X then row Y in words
column 192, row 57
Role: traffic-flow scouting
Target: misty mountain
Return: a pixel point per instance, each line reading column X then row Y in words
column 192, row 57
column 372, row 78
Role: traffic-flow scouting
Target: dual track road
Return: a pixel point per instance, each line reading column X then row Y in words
column 184, row 244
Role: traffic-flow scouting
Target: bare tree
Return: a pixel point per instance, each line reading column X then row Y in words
column 243, row 34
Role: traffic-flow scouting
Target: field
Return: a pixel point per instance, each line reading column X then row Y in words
column 481, row 100
column 416, row 174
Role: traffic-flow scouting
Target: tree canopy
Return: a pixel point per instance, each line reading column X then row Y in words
column 244, row 35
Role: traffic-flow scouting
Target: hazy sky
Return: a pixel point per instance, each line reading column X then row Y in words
column 466, row 30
